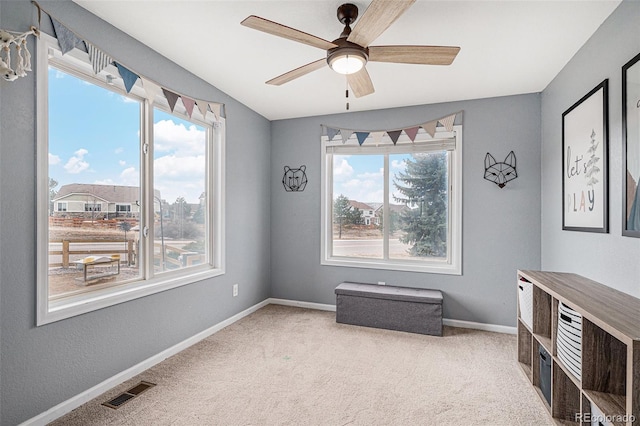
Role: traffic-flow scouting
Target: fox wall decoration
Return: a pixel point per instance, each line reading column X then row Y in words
column 500, row 172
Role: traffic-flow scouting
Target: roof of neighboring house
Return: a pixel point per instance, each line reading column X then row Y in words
column 359, row 205
column 108, row 193
column 398, row 208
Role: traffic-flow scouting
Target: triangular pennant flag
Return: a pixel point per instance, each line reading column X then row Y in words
column 172, row 98
column 203, row 107
column 216, row 109
column 129, row 77
column 394, row 135
column 66, row 38
column 412, row 132
column 152, row 89
column 346, row 134
column 99, row 59
column 331, row 133
column 188, row 104
column 430, row 127
column 377, row 137
column 447, row 122
column 362, row 136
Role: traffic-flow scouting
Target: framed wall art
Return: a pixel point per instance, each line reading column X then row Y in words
column 631, row 147
column 585, row 145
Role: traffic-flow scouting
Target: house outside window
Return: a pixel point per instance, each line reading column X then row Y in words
column 139, row 207
column 394, row 206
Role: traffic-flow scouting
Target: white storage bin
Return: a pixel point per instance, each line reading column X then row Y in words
column 525, row 300
column 597, row 418
column 569, row 339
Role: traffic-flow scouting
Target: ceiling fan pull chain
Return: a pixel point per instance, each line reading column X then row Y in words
column 346, row 92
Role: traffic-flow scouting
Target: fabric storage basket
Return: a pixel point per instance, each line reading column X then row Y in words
column 525, row 301
column 569, row 340
column 545, row 373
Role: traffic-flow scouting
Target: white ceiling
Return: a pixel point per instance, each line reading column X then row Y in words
column 507, row 47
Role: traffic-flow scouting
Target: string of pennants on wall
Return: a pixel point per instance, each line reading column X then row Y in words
column 68, row 40
column 411, row 131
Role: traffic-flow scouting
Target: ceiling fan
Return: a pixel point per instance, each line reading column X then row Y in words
column 349, row 53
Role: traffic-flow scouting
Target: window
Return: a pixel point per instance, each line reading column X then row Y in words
column 142, row 202
column 395, row 207
column 92, row 207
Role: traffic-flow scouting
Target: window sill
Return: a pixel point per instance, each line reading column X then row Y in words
column 431, row 268
column 80, row 304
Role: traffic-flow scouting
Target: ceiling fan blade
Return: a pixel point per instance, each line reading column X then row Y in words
column 426, row 55
column 298, row 72
column 378, row 17
column 360, row 83
column 280, row 30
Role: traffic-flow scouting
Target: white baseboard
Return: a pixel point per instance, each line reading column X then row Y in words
column 76, row 401
column 449, row 322
column 298, row 304
column 480, row 326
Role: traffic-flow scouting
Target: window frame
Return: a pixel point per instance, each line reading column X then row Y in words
column 453, row 266
column 50, row 310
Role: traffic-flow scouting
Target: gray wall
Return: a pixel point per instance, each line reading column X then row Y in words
column 43, row 366
column 608, row 258
column 501, row 227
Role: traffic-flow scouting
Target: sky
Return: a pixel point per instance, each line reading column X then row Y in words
column 361, row 177
column 94, row 137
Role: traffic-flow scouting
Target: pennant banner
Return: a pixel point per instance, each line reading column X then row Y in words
column 346, row 134
column 216, row 109
column 331, row 133
column 172, row 98
column 412, row 132
column 377, row 137
column 394, row 135
column 429, row 127
column 99, row 59
column 152, row 90
column 66, row 38
column 129, row 77
column 188, row 104
column 447, row 122
column 203, row 107
column 362, row 136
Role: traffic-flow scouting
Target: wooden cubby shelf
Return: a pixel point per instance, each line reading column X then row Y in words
column 605, row 328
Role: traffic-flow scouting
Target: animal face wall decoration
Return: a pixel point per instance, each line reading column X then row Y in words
column 500, row 172
column 294, row 180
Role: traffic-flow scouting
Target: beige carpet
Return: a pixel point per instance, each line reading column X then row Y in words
column 290, row 366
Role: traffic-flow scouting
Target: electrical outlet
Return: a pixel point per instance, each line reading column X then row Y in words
column 235, row 290
column 381, row 283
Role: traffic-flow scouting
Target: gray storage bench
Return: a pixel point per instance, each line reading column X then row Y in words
column 393, row 308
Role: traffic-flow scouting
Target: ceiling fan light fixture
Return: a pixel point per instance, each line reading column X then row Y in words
column 347, row 64
column 347, row 60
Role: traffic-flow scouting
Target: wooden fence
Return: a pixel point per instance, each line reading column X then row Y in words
column 171, row 256
column 66, row 251
column 78, row 222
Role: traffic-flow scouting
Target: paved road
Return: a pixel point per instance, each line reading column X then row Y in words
column 368, row 248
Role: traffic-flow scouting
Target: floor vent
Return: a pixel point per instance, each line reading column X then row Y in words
column 127, row 396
